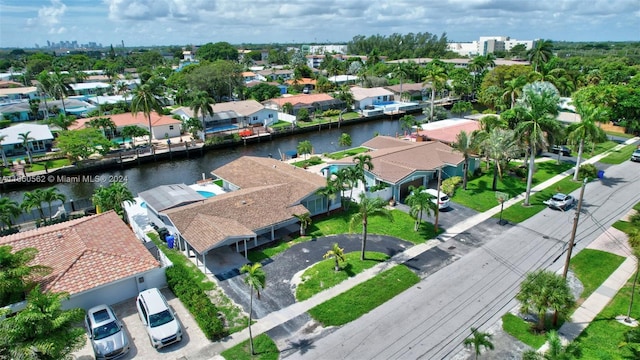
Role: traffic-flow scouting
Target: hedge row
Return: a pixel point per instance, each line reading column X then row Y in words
column 182, row 282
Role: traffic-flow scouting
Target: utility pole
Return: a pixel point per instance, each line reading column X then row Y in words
column 573, row 231
column 435, row 224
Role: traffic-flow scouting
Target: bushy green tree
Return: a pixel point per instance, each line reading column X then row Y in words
column 18, row 274
column 112, row 197
column 80, row 144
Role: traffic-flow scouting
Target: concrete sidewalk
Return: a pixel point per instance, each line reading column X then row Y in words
column 279, row 317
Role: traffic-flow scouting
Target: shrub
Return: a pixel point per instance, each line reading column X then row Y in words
column 449, row 185
column 331, row 112
column 303, row 115
column 4, row 123
column 587, row 170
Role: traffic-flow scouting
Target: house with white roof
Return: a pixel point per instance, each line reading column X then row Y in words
column 366, row 97
column 239, row 113
column 90, row 88
column 41, row 139
column 17, row 94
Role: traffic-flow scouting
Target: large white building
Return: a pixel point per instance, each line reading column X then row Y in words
column 487, row 45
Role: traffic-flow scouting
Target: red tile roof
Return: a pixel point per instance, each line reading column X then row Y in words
column 85, row 253
column 300, row 99
column 122, row 120
column 447, row 134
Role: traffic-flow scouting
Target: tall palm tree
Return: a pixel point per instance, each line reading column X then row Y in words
column 59, row 86
column 257, row 280
column 51, row 195
column 112, row 197
column 363, row 162
column 33, row 200
column 9, row 210
column 586, row 130
column 420, row 202
column 44, row 87
column 2, row 153
column 145, row 100
column 513, row 88
column 464, row 144
column 479, row 339
column 202, row 103
column 367, row 208
column 330, row 190
column 26, row 139
column 304, row 148
column 536, row 114
column 337, row 254
column 106, row 124
column 436, row 78
column 541, row 53
column 400, row 71
column 499, row 145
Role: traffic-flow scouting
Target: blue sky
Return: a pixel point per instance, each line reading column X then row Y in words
column 24, row 23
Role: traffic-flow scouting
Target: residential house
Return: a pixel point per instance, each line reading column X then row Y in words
column 21, row 111
column 40, row 135
column 446, row 130
column 95, row 259
column 306, row 83
column 165, row 197
column 366, row 98
column 233, row 115
column 311, row 102
column 90, row 88
column 263, row 196
column 412, row 91
column 399, row 164
column 162, row 126
column 274, row 74
column 17, row 94
column 249, row 76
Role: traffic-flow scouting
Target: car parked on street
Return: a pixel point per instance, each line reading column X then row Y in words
column 158, row 319
column 108, row 338
column 560, row 201
column 444, row 198
column 636, row 156
column 565, row 151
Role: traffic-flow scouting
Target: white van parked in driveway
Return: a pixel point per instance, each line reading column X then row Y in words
column 443, row 203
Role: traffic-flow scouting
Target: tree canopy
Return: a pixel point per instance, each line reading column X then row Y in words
column 218, row 51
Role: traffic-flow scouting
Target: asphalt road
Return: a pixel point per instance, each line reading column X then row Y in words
column 430, row 320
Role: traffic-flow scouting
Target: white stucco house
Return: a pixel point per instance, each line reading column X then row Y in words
column 41, row 139
column 162, row 126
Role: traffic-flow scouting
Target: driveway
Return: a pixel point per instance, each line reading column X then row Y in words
column 140, row 347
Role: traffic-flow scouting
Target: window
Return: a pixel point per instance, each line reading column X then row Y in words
column 315, row 206
column 170, row 127
column 255, row 118
column 270, row 115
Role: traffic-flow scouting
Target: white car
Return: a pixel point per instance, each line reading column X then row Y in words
column 560, row 201
column 159, row 320
column 444, row 198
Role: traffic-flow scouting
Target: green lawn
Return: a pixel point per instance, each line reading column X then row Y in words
column 281, row 124
column 338, row 223
column 619, row 156
column 364, row 297
column 322, row 275
column 479, row 195
column 349, row 152
column 314, row 160
column 593, row 267
column 623, row 226
column 264, row 348
column 599, row 149
column 622, row 135
column 517, row 213
column 53, row 164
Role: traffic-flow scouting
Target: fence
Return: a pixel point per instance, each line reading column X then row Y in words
column 69, row 206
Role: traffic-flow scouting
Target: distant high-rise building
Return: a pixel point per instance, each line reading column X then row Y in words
column 488, row 45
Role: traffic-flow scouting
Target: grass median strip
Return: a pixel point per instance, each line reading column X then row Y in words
column 322, row 275
column 264, row 348
column 364, row 297
column 619, row 156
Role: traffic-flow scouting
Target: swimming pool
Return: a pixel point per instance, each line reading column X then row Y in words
column 219, row 128
column 385, row 103
column 205, row 194
column 143, row 205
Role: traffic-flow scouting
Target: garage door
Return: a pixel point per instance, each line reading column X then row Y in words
column 404, row 188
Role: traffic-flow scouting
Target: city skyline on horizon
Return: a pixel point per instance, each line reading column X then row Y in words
column 23, row 24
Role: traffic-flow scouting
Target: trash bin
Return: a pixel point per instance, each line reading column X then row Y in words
column 170, row 241
column 600, row 174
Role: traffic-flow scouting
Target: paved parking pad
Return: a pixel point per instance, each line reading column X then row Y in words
column 193, row 338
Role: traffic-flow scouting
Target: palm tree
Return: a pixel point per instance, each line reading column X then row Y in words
column 330, row 190
column 478, row 339
column 336, row 253
column 499, row 145
column 202, row 103
column 44, row 87
column 586, row 130
column 132, row 132
column 541, row 53
column 400, row 71
column 304, row 148
column 287, row 108
column 363, row 162
column 51, row 195
column 464, row 144
column 513, row 88
column 536, row 114
column 34, row 199
column 344, row 140
column 9, row 210
column 63, row 121
column 542, row 291
column 420, row 201
column 145, row 100
column 112, row 197
column 407, row 122
column 436, row 78
column 25, row 138
column 368, row 207
column 256, row 279
column 58, row 84
column 4, row 156
column 305, row 221
column 105, row 124
column 18, row 275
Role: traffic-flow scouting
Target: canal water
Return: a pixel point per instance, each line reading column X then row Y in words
column 188, row 171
